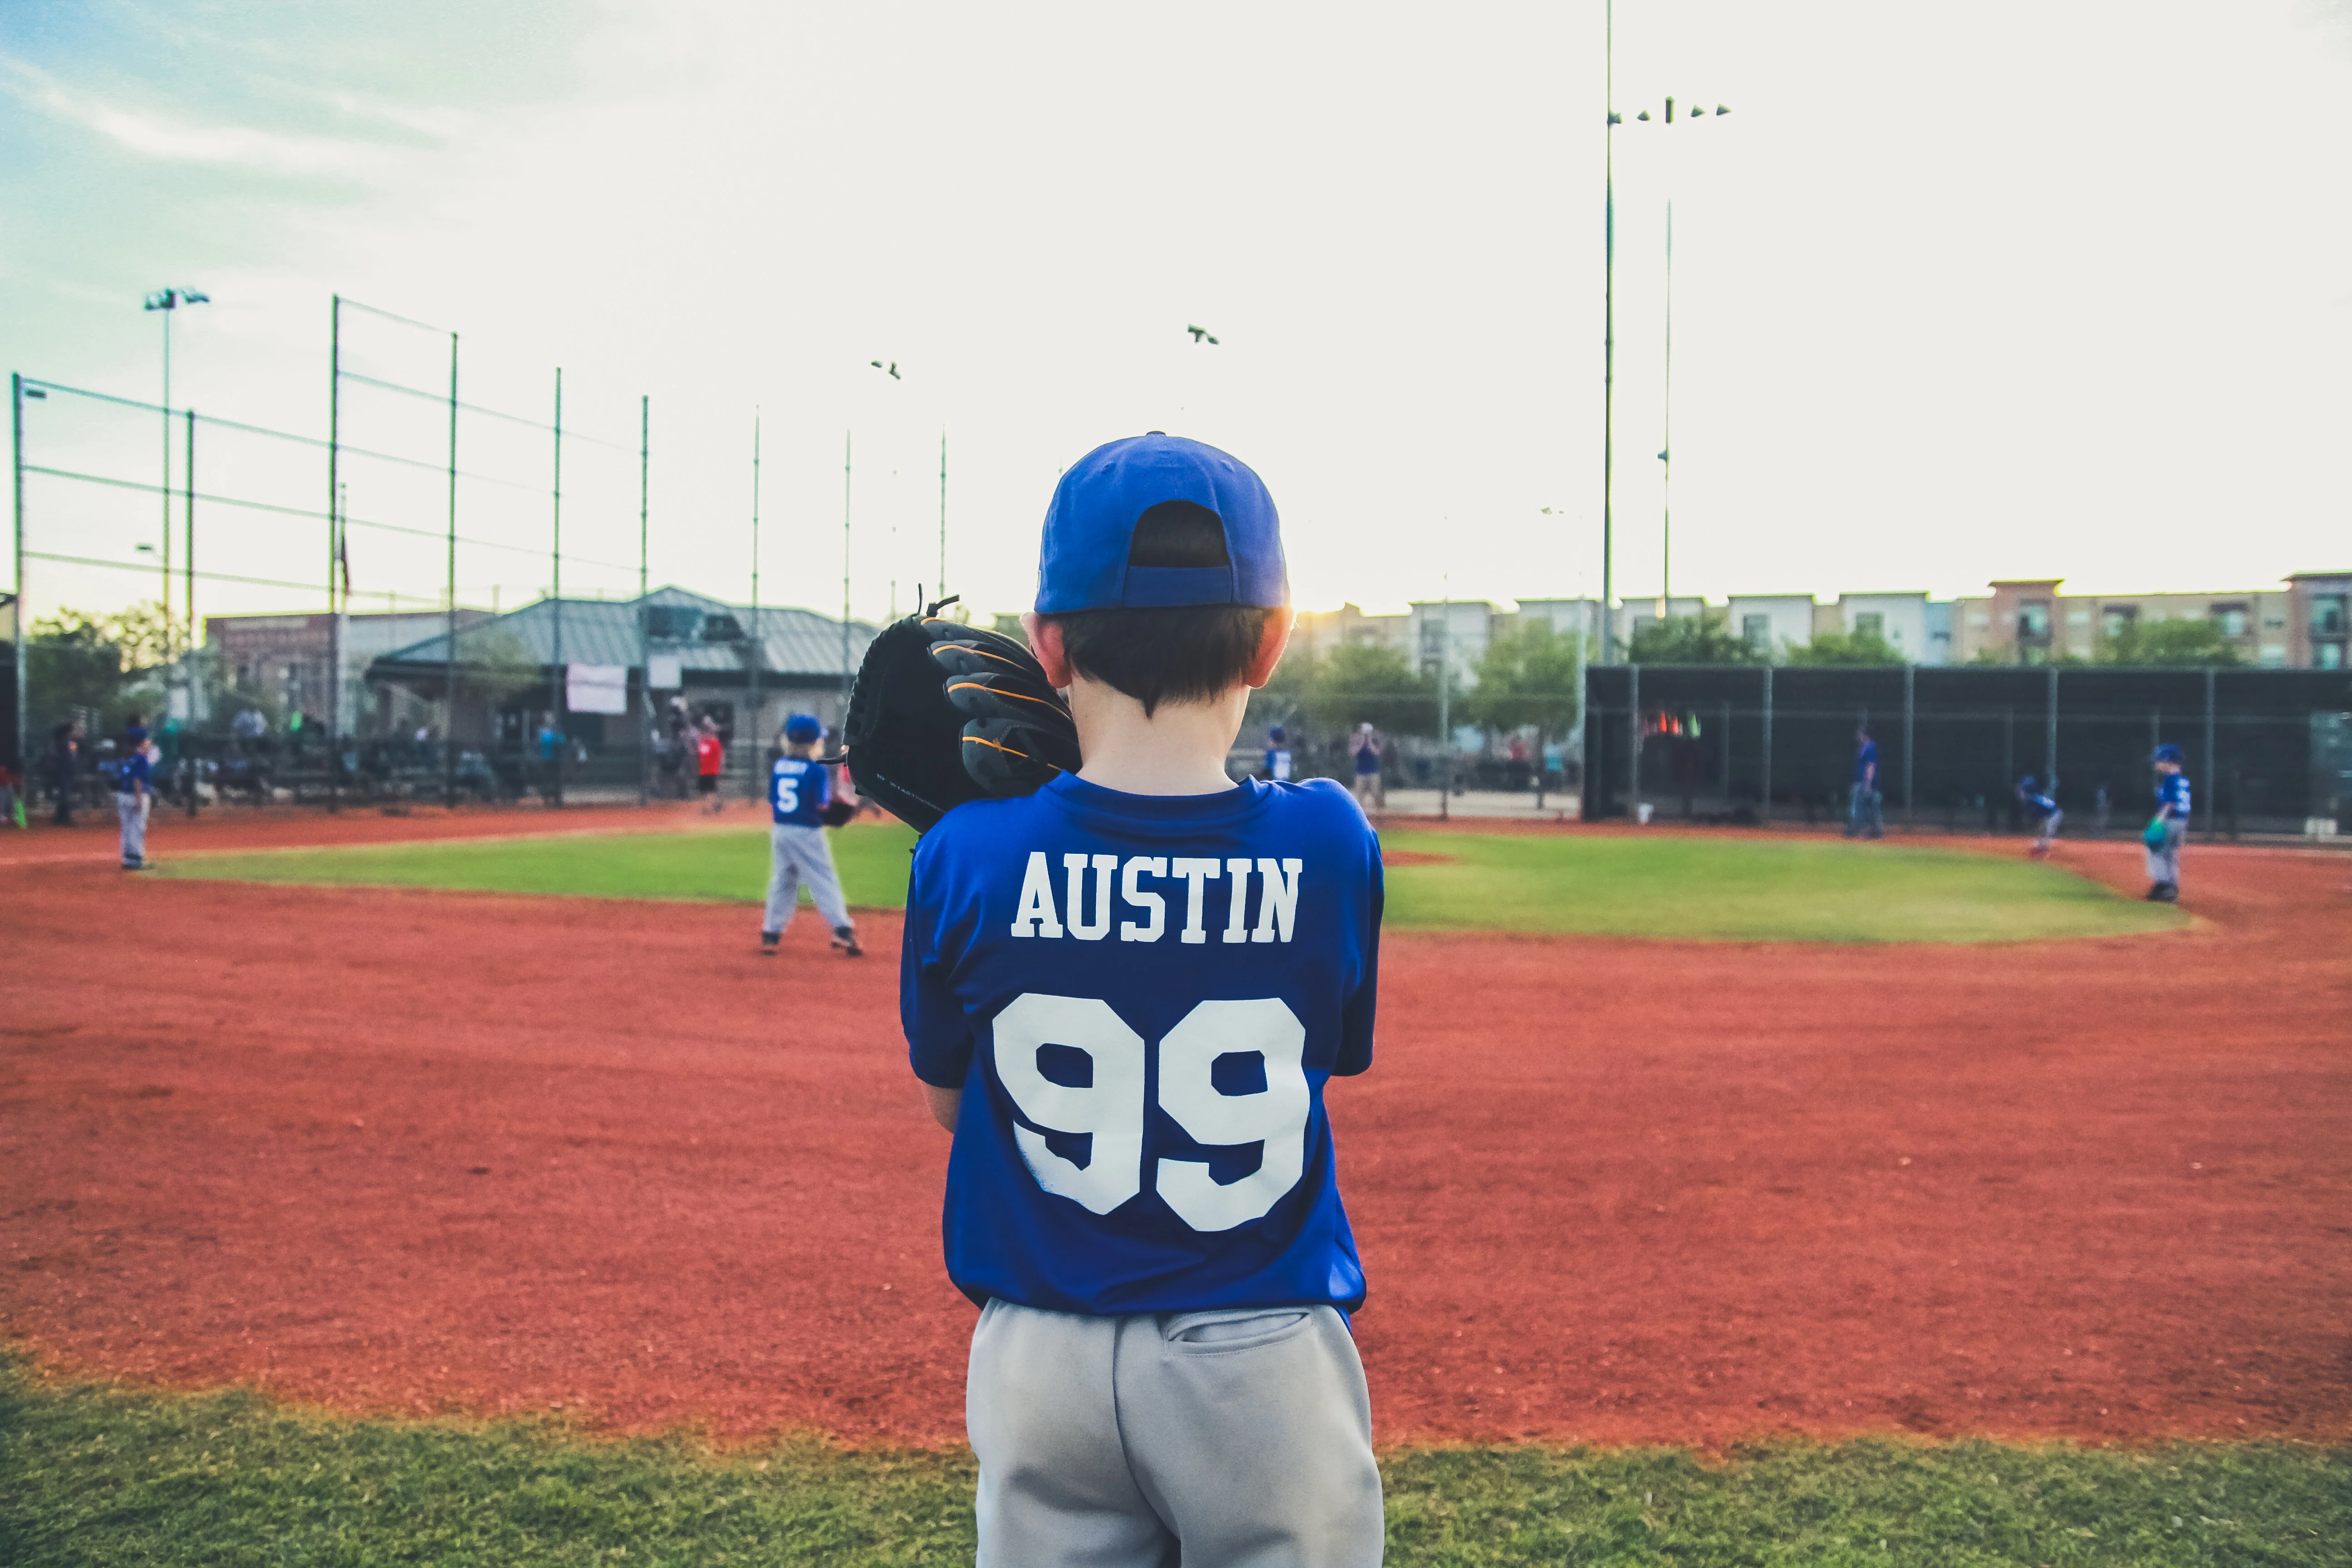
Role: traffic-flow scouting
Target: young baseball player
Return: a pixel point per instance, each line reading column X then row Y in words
column 709, row 761
column 2167, row 827
column 1278, row 756
column 2045, row 814
column 1125, row 994
column 133, row 779
column 799, row 789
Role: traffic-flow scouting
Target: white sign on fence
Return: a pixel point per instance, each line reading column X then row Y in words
column 665, row 672
column 596, row 687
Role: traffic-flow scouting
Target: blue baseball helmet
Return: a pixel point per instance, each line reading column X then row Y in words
column 1275, row 734
column 2026, row 783
column 802, row 729
column 2168, row 753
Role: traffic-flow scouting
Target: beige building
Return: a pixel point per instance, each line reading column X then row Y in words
column 2029, row 621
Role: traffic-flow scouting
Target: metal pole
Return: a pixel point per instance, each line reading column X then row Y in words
column 1666, row 451
column 644, row 656
column 167, row 470
column 449, row 663
column 940, row 589
column 845, row 569
column 1910, row 711
column 1633, row 740
column 1609, row 328
column 334, row 550
column 2212, row 760
column 1764, row 805
column 24, row 626
column 560, row 699
column 755, row 734
column 1445, row 709
column 2049, row 740
column 188, row 558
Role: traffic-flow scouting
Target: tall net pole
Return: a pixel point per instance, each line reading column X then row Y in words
column 24, row 626
column 753, row 736
column 334, row 550
column 645, row 654
column 560, row 699
column 940, row 589
column 846, row 455
column 188, row 559
column 449, row 591
column 1608, row 332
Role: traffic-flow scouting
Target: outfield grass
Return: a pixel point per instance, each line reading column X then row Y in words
column 723, row 865
column 1721, row 889
column 92, row 1475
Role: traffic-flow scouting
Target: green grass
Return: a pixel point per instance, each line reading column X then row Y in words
column 95, row 1475
column 1749, row 889
column 725, row 865
column 1704, row 887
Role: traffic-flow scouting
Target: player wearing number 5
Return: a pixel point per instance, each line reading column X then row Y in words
column 1126, row 994
column 800, row 795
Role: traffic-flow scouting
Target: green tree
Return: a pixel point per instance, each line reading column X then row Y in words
column 1846, row 647
column 1375, row 684
column 1528, row 677
column 2181, row 642
column 107, row 663
column 1689, row 640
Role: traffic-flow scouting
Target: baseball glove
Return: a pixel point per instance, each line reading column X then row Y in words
column 943, row 713
column 834, row 813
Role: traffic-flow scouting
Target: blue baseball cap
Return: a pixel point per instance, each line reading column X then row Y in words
column 2168, row 753
column 802, row 728
column 1090, row 527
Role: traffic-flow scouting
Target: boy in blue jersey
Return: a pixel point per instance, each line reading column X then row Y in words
column 2169, row 827
column 2043, row 810
column 1124, row 996
column 799, row 789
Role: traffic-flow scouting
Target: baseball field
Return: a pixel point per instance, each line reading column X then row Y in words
column 465, row 1189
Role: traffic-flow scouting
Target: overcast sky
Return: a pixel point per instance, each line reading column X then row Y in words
column 2010, row 289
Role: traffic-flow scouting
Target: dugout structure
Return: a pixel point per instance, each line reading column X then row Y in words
column 2270, row 749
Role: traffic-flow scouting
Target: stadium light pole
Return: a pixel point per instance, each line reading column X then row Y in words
column 168, row 301
column 1609, row 371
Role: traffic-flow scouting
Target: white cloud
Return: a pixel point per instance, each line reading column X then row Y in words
column 157, row 136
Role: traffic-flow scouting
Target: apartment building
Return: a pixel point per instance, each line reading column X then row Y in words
column 2300, row 626
column 2303, row 624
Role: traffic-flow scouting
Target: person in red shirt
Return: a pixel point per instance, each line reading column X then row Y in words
column 709, row 757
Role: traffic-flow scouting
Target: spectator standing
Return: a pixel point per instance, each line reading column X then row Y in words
column 65, row 767
column 1277, row 757
column 134, row 781
column 709, row 761
column 1364, row 745
column 1863, row 818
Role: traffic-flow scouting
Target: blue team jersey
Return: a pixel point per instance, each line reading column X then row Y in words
column 798, row 789
column 1864, row 760
column 2039, row 804
column 2172, row 796
column 1141, row 998
column 133, row 772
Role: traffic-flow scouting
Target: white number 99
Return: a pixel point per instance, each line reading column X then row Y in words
column 1109, row 1108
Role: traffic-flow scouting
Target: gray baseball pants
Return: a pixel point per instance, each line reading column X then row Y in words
column 797, row 857
column 132, row 810
column 2164, row 864
column 1240, row 1439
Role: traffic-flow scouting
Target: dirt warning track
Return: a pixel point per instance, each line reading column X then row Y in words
column 406, row 1150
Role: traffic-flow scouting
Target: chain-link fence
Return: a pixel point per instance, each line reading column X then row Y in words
column 435, row 597
column 2267, row 749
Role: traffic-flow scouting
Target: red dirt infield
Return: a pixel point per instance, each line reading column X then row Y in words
column 425, row 1152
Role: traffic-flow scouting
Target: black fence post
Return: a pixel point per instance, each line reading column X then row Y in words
column 1909, row 708
column 1764, row 806
column 1633, row 740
